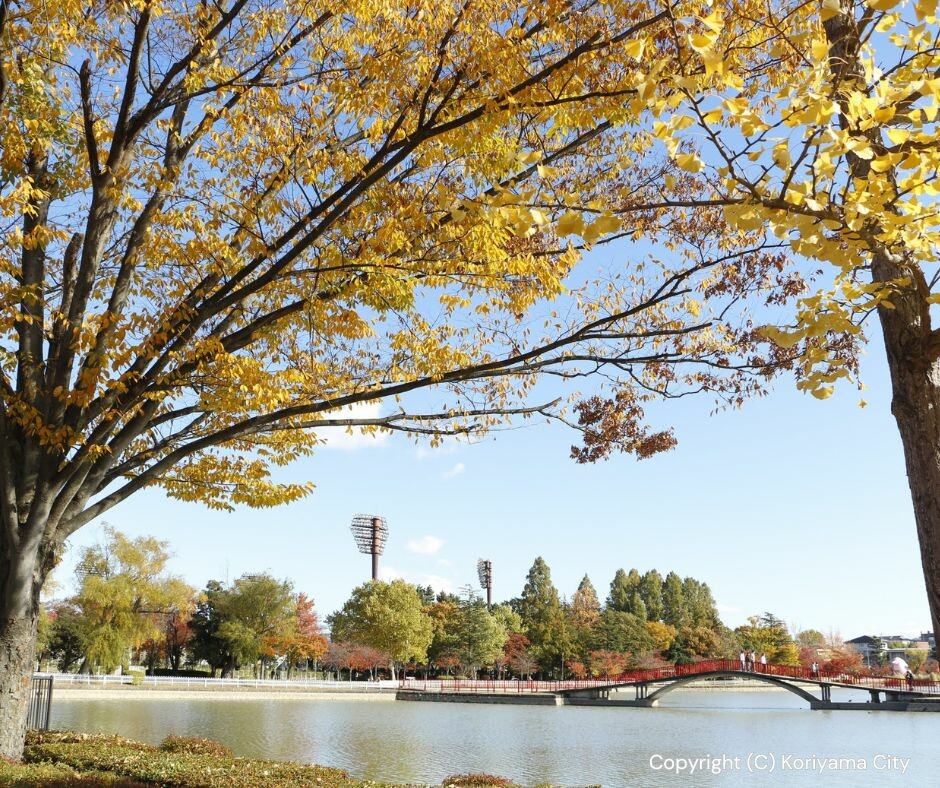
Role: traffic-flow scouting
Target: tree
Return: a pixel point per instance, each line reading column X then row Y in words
column 171, row 642
column 585, row 611
column 701, row 641
column 637, row 607
column 258, row 614
column 622, row 589
column 234, row 222
column 823, row 139
column 304, row 640
column 607, row 663
column 479, row 636
column 65, row 636
column 543, row 618
column 585, row 607
column 661, row 634
column 443, row 616
column 811, row 638
column 699, row 604
column 124, row 596
column 206, row 643
column 621, row 632
column 388, row 617
column 768, row 635
column 877, row 651
column 675, row 609
column 651, row 591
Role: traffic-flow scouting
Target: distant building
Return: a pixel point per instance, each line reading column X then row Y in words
column 877, row 649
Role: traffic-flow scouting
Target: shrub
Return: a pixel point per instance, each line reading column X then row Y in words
column 192, row 745
column 475, row 781
column 122, row 758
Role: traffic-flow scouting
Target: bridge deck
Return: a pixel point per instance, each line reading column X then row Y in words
column 895, row 686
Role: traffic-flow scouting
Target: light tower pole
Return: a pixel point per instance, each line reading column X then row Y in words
column 370, row 532
column 485, row 573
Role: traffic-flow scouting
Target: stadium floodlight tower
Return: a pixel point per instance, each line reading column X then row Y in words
column 370, row 533
column 485, row 573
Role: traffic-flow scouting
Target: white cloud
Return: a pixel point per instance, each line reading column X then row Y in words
column 350, row 440
column 426, row 545
column 458, row 469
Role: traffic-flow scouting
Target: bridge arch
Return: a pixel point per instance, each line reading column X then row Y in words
column 777, row 681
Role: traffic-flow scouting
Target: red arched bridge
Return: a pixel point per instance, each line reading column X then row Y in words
column 885, row 692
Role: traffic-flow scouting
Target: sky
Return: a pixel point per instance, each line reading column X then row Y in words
column 790, row 505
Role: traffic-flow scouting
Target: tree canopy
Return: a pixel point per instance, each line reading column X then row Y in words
column 124, row 597
column 388, row 617
column 228, row 224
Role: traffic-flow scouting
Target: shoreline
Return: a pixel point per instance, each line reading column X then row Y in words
column 131, row 692
column 200, row 693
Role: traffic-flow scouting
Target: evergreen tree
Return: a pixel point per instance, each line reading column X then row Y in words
column 651, row 591
column 543, row 618
column 479, row 636
column 637, row 607
column 622, row 587
column 206, row 643
column 620, row 631
column 699, row 603
column 675, row 612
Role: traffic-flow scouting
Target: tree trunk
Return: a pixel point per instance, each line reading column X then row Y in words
column 17, row 649
column 915, row 403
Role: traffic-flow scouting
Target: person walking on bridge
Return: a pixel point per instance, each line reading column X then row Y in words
column 743, row 662
column 763, row 663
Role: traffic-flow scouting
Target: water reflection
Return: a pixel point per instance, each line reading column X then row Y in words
column 572, row 746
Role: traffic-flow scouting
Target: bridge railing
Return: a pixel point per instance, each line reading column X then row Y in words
column 509, row 686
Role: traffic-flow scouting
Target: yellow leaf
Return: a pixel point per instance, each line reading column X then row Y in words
column 882, row 5
column 713, row 116
column 604, row 225
column 830, row 8
column 689, row 162
column 635, row 48
column 714, row 21
column 570, row 224
column 781, row 156
column 700, row 42
column 898, row 136
column 823, row 392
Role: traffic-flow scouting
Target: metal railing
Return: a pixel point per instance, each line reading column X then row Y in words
column 40, row 702
column 927, row 686
column 84, row 679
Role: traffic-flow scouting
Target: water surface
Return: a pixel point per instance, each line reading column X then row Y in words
column 788, row 744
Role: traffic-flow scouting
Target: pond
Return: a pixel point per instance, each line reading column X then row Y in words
column 726, row 737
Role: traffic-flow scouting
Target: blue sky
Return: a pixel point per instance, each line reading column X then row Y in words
column 790, row 505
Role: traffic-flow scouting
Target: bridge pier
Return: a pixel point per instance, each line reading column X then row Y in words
column 642, row 690
column 875, row 695
column 826, row 692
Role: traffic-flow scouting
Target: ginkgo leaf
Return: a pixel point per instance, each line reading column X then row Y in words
column 689, row 162
column 603, row 225
column 829, row 9
column 571, row 223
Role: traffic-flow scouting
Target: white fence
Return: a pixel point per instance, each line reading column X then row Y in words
column 80, row 679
